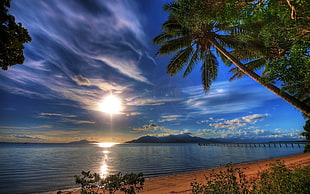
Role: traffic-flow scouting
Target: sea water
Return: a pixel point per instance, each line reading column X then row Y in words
column 34, row 168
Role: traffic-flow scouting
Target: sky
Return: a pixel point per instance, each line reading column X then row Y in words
column 83, row 51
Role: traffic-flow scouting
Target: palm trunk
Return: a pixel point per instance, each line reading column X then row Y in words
column 290, row 99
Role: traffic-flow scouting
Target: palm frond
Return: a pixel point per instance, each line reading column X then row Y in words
column 193, row 61
column 209, row 70
column 253, row 66
column 162, row 38
column 179, row 60
column 228, row 41
column 174, row 45
column 170, row 7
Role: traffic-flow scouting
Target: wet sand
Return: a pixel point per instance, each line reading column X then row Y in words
column 181, row 183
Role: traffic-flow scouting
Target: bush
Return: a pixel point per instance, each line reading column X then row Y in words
column 231, row 181
column 92, row 183
column 277, row 179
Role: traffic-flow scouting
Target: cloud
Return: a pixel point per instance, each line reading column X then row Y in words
column 254, row 118
column 104, row 40
column 27, row 137
column 154, row 129
column 167, row 118
column 59, row 133
column 79, row 121
column 251, row 134
column 124, row 66
column 81, row 81
column 46, row 130
column 56, row 114
column 26, row 128
column 133, row 113
column 150, row 101
column 226, row 97
column 145, row 102
column 239, row 122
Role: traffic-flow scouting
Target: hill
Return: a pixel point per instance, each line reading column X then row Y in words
column 84, row 141
column 182, row 138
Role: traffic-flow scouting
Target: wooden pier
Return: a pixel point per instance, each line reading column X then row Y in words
column 284, row 144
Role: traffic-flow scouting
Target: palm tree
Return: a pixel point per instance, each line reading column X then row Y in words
column 191, row 49
column 193, row 45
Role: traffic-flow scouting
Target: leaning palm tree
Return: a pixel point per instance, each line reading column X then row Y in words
column 193, row 44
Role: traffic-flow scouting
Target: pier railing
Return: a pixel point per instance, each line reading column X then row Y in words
column 291, row 144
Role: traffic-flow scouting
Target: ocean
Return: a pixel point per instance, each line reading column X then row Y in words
column 35, row 168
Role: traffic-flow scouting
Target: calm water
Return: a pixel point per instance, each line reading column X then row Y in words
column 31, row 168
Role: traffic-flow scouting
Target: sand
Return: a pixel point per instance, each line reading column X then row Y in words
column 181, row 183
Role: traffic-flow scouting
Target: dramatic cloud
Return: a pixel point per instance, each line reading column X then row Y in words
column 79, row 44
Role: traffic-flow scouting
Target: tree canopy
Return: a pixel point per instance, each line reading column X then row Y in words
column 272, row 36
column 12, row 38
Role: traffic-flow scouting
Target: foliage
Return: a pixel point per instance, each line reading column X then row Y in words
column 92, row 183
column 12, row 38
column 195, row 27
column 306, row 134
column 232, row 180
column 277, row 179
column 285, row 33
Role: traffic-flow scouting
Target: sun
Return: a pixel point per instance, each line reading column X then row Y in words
column 111, row 104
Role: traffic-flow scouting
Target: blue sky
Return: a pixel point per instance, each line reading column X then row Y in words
column 83, row 51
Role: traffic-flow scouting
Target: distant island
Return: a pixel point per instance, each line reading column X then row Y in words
column 84, row 141
column 182, row 138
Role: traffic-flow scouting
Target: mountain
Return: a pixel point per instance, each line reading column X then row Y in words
column 84, row 141
column 183, row 138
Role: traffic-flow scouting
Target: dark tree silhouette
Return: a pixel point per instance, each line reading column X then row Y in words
column 12, row 38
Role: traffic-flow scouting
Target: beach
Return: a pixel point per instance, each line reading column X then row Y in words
column 180, row 183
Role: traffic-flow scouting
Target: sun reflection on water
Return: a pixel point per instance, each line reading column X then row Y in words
column 104, row 168
column 106, row 145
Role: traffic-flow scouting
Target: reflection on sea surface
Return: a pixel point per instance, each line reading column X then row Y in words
column 104, row 169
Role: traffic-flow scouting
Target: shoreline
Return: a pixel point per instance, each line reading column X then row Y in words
column 180, row 183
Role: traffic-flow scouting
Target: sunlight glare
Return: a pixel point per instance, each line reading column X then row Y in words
column 111, row 104
column 106, row 145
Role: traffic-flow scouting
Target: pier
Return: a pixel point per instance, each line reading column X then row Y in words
column 284, row 144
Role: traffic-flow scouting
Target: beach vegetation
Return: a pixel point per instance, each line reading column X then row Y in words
column 276, row 179
column 306, row 134
column 265, row 40
column 91, row 183
column 231, row 180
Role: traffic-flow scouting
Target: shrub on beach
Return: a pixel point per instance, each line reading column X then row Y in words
column 93, row 184
column 277, row 179
column 231, row 181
